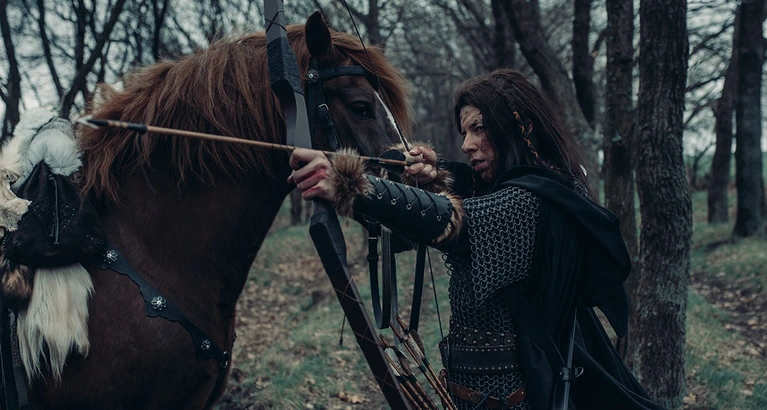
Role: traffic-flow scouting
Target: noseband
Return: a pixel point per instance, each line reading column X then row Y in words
column 316, row 99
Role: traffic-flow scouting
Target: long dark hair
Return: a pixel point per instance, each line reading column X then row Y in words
column 521, row 123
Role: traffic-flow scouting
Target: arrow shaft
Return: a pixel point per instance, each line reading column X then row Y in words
column 143, row 128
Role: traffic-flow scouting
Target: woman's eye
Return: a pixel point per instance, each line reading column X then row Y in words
column 362, row 109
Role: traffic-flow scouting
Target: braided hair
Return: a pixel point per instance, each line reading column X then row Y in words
column 521, row 124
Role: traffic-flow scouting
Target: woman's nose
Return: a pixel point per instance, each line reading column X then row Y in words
column 469, row 144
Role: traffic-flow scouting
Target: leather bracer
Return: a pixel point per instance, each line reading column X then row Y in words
column 416, row 214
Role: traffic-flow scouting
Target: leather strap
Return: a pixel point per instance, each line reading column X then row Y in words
column 159, row 305
column 415, row 307
column 316, row 100
column 491, row 402
column 328, row 73
column 10, row 395
column 19, row 374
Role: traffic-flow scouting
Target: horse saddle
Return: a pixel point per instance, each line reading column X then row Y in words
column 60, row 227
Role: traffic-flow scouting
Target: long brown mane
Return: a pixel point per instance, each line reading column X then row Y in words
column 223, row 90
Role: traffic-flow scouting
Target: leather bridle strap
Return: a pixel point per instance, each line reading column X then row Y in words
column 315, row 100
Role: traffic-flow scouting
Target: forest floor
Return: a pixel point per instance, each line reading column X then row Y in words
column 287, row 354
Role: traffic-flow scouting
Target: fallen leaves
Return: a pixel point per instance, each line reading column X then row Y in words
column 351, row 398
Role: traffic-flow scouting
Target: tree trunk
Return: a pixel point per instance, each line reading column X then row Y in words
column 374, row 29
column 718, row 211
column 503, row 40
column 13, row 96
column 665, row 202
column 159, row 10
column 583, row 62
column 617, row 169
column 752, row 211
column 525, row 19
column 47, row 48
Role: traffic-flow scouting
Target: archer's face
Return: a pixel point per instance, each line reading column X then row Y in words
column 476, row 145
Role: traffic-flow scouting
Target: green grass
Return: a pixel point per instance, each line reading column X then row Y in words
column 723, row 374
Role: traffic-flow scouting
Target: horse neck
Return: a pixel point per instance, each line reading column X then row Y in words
column 202, row 238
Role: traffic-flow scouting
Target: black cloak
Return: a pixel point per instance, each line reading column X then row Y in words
column 580, row 259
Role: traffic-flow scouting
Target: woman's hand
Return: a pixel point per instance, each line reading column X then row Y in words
column 424, row 168
column 311, row 172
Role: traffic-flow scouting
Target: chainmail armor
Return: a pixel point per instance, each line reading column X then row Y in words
column 502, row 228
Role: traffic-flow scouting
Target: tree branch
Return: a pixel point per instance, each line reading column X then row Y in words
column 80, row 79
column 47, row 48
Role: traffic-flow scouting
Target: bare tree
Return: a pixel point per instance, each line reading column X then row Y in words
column 84, row 67
column 752, row 210
column 525, row 18
column 583, row 62
column 665, row 201
column 11, row 96
column 723, row 112
column 617, row 168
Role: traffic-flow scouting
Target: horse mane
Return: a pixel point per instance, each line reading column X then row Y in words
column 223, row 89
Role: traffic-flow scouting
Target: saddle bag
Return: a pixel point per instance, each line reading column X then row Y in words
column 59, row 228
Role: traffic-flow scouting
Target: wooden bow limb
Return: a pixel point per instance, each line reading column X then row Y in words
column 398, row 362
column 144, row 128
column 423, row 365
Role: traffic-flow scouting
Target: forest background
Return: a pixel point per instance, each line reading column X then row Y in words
column 663, row 96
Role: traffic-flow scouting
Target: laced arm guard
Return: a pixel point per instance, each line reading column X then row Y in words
column 415, row 213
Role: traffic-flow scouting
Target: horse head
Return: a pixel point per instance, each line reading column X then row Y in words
column 367, row 118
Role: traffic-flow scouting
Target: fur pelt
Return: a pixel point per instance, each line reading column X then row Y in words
column 442, row 183
column 40, row 136
column 456, row 219
column 55, row 322
column 16, row 281
column 348, row 178
column 53, row 302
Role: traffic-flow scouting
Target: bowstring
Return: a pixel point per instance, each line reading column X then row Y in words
column 402, row 138
column 375, row 74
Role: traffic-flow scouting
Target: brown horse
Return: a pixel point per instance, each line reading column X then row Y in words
column 191, row 215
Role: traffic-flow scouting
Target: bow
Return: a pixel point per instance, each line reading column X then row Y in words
column 324, row 229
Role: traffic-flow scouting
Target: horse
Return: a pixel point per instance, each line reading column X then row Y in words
column 190, row 215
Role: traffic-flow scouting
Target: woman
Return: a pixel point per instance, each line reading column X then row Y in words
column 527, row 250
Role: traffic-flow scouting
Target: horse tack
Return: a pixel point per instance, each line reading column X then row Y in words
column 315, row 98
column 158, row 305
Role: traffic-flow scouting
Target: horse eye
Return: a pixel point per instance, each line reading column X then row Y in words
column 362, row 109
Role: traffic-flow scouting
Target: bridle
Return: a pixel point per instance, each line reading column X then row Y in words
column 316, row 99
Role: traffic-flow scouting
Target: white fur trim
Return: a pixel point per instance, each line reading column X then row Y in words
column 40, row 136
column 56, row 317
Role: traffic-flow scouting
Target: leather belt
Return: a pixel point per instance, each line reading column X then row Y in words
column 473, row 396
column 479, row 359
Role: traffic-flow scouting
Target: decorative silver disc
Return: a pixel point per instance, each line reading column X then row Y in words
column 159, row 303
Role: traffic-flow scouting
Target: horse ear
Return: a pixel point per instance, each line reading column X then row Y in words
column 318, row 39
